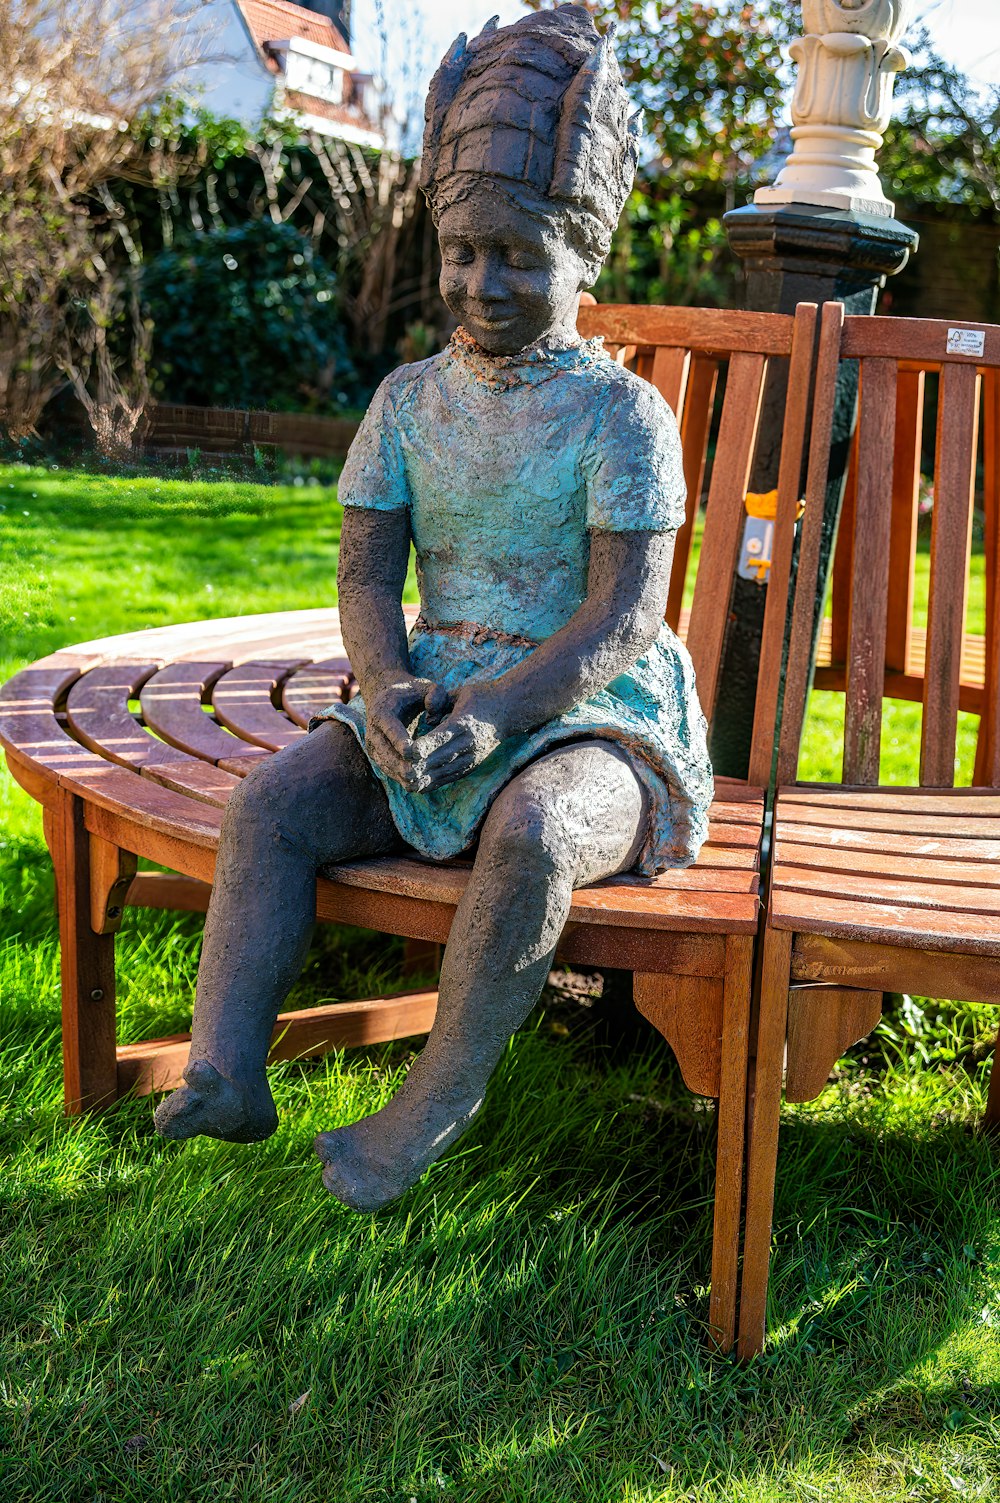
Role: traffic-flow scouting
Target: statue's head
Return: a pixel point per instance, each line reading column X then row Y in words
column 529, row 157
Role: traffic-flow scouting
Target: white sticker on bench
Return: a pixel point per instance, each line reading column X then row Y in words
column 966, row 341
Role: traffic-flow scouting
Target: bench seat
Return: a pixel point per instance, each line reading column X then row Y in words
column 916, row 868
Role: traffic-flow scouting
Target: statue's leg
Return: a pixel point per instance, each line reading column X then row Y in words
column 573, row 817
column 316, row 802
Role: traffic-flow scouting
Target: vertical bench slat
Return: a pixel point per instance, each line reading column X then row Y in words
column 696, row 422
column 988, row 750
column 843, row 566
column 724, row 520
column 905, row 515
column 951, row 537
column 669, row 375
column 866, row 634
column 779, row 578
column 800, row 642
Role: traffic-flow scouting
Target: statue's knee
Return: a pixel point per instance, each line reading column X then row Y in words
column 530, row 834
column 266, row 802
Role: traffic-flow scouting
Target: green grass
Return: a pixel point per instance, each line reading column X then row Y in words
column 203, row 1322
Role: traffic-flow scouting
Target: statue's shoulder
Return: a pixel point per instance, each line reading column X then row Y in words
column 626, row 397
column 406, row 380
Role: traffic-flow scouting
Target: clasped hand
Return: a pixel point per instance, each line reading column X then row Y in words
column 465, row 729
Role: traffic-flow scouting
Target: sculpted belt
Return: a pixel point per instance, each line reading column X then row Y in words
column 472, row 632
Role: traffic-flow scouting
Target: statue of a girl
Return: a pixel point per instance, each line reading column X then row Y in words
column 541, row 714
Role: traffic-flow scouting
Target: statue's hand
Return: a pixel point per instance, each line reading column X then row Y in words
column 464, row 739
column 390, row 712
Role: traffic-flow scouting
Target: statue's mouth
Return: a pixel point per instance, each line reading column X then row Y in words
column 492, row 325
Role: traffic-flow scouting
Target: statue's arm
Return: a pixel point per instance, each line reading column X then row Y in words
column 371, row 573
column 616, row 624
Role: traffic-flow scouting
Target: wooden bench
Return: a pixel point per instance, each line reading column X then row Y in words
column 118, row 783
column 875, row 889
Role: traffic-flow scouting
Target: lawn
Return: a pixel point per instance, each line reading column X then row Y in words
column 202, row 1322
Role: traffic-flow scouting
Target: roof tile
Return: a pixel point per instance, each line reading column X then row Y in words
column 278, row 20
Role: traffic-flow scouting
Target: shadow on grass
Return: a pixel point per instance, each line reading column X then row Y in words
column 528, row 1322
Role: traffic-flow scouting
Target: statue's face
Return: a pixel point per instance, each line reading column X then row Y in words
column 508, row 276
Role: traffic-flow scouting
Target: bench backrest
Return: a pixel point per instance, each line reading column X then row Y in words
column 711, row 366
column 904, row 365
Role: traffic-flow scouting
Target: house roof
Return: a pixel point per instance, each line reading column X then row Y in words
column 278, row 20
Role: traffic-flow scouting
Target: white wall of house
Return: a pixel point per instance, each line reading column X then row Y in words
column 230, row 80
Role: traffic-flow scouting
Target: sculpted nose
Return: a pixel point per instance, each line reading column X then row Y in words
column 486, row 283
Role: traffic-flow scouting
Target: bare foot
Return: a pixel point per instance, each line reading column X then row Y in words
column 372, row 1162
column 211, row 1106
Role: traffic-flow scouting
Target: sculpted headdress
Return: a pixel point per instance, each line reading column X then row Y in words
column 538, row 108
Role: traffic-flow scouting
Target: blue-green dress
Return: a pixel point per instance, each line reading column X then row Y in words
column 505, row 466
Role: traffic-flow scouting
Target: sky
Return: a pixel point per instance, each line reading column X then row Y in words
column 967, row 32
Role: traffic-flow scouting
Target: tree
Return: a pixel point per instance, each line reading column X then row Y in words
column 713, row 80
column 77, row 73
column 243, row 319
column 361, row 211
column 944, row 141
column 711, row 77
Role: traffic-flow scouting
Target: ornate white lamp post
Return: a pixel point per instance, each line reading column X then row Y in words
column 848, row 61
column 825, row 230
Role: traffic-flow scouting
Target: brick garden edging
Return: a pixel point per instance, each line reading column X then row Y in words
column 222, row 430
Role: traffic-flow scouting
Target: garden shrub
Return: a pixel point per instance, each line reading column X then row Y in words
column 247, row 316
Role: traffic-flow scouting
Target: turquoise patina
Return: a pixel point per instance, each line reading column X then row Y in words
column 505, row 465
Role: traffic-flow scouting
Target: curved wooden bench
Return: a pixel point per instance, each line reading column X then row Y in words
column 133, row 745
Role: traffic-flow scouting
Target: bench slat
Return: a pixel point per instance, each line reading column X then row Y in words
column 28, row 724
column 696, row 422
column 312, row 688
column 172, row 707
column 924, row 340
column 669, row 374
column 951, row 541
column 98, row 712
column 241, row 699
column 773, row 638
column 881, row 863
column 866, row 647
column 905, row 515
column 920, row 847
column 713, row 330
column 988, row 751
column 889, row 923
column 891, row 800
column 142, row 802
column 724, row 521
column 957, row 898
column 889, row 821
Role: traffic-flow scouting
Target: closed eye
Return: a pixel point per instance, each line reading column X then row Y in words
column 458, row 254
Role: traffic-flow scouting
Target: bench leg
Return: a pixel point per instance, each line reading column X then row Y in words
column 88, row 967
column 422, row 957
column 763, row 1138
column 729, row 1151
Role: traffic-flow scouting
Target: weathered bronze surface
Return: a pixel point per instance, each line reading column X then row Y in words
column 540, row 713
